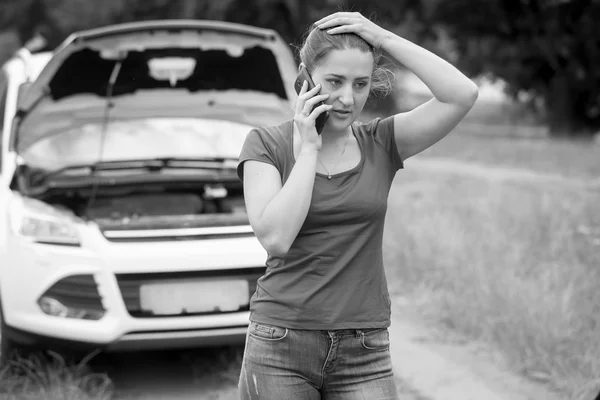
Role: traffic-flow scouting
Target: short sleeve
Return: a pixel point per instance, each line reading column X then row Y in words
column 255, row 148
column 383, row 132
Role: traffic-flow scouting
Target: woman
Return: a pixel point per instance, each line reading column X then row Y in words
column 317, row 203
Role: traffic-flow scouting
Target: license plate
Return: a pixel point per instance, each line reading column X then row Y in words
column 194, row 296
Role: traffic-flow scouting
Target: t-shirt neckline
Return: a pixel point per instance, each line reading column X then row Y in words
column 338, row 174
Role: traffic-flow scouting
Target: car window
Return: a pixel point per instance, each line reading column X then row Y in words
column 3, row 93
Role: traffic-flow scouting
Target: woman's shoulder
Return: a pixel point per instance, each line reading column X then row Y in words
column 267, row 143
column 370, row 127
column 277, row 133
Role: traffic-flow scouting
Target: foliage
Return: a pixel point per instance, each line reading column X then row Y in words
column 55, row 19
column 549, row 48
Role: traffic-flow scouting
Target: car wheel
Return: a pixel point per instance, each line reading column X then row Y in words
column 9, row 350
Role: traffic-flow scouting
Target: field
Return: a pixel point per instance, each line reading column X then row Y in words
column 201, row 374
column 493, row 233
column 513, row 262
column 569, row 159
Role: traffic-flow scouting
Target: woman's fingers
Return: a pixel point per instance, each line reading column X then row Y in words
column 327, row 18
column 310, row 103
column 303, row 88
column 337, row 22
column 354, row 28
column 339, row 14
column 305, row 94
column 308, row 95
column 321, row 109
column 308, row 100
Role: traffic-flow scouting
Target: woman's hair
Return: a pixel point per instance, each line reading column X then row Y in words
column 318, row 44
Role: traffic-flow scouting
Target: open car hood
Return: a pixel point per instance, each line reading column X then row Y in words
column 171, row 69
column 139, row 139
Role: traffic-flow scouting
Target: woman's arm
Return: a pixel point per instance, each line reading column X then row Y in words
column 277, row 213
column 455, row 94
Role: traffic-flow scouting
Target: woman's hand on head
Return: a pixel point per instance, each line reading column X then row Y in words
column 354, row 22
column 305, row 119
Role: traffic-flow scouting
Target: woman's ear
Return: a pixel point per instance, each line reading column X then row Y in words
column 300, row 66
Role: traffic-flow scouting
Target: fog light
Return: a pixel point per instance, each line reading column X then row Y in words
column 74, row 296
column 53, row 307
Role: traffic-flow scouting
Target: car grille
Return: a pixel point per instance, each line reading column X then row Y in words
column 130, row 286
column 220, row 232
column 177, row 227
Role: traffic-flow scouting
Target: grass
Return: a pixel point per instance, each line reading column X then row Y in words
column 512, row 264
column 53, row 378
column 570, row 159
column 214, row 374
column 203, row 374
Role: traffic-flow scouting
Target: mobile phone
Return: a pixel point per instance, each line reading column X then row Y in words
column 303, row 75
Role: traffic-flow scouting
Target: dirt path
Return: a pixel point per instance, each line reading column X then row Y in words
column 428, row 366
column 443, row 367
column 449, row 368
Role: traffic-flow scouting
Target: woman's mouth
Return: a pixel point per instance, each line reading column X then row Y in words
column 342, row 113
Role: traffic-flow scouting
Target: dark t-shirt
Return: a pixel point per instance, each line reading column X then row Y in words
column 332, row 277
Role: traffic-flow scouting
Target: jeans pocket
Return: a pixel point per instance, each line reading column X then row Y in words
column 267, row 332
column 377, row 339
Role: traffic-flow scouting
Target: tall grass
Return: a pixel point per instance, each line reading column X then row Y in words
column 570, row 159
column 512, row 264
column 52, row 378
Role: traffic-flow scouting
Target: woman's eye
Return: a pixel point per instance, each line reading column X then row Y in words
column 335, row 82
column 361, row 85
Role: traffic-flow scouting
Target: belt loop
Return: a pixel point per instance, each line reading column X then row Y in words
column 358, row 333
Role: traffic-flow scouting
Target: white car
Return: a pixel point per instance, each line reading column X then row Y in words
column 122, row 220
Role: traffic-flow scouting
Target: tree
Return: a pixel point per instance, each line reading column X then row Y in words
column 56, row 19
column 550, row 48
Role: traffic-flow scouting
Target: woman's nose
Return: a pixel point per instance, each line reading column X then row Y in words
column 347, row 95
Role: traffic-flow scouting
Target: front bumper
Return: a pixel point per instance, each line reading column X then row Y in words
column 29, row 269
column 141, row 341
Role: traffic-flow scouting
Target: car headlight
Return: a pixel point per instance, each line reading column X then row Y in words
column 39, row 222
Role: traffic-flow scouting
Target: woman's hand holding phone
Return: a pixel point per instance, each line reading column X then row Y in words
column 305, row 119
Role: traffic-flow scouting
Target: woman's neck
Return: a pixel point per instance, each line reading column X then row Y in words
column 333, row 138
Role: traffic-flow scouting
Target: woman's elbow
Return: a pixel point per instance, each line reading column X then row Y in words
column 471, row 94
column 274, row 244
column 277, row 252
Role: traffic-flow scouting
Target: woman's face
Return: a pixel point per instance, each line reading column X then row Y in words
column 346, row 76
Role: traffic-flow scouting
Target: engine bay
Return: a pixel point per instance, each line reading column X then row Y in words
column 125, row 206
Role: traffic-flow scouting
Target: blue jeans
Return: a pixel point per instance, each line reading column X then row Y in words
column 290, row 364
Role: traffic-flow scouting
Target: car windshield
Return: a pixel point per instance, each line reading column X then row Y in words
column 141, row 139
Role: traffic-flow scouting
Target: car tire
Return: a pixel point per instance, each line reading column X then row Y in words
column 9, row 349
